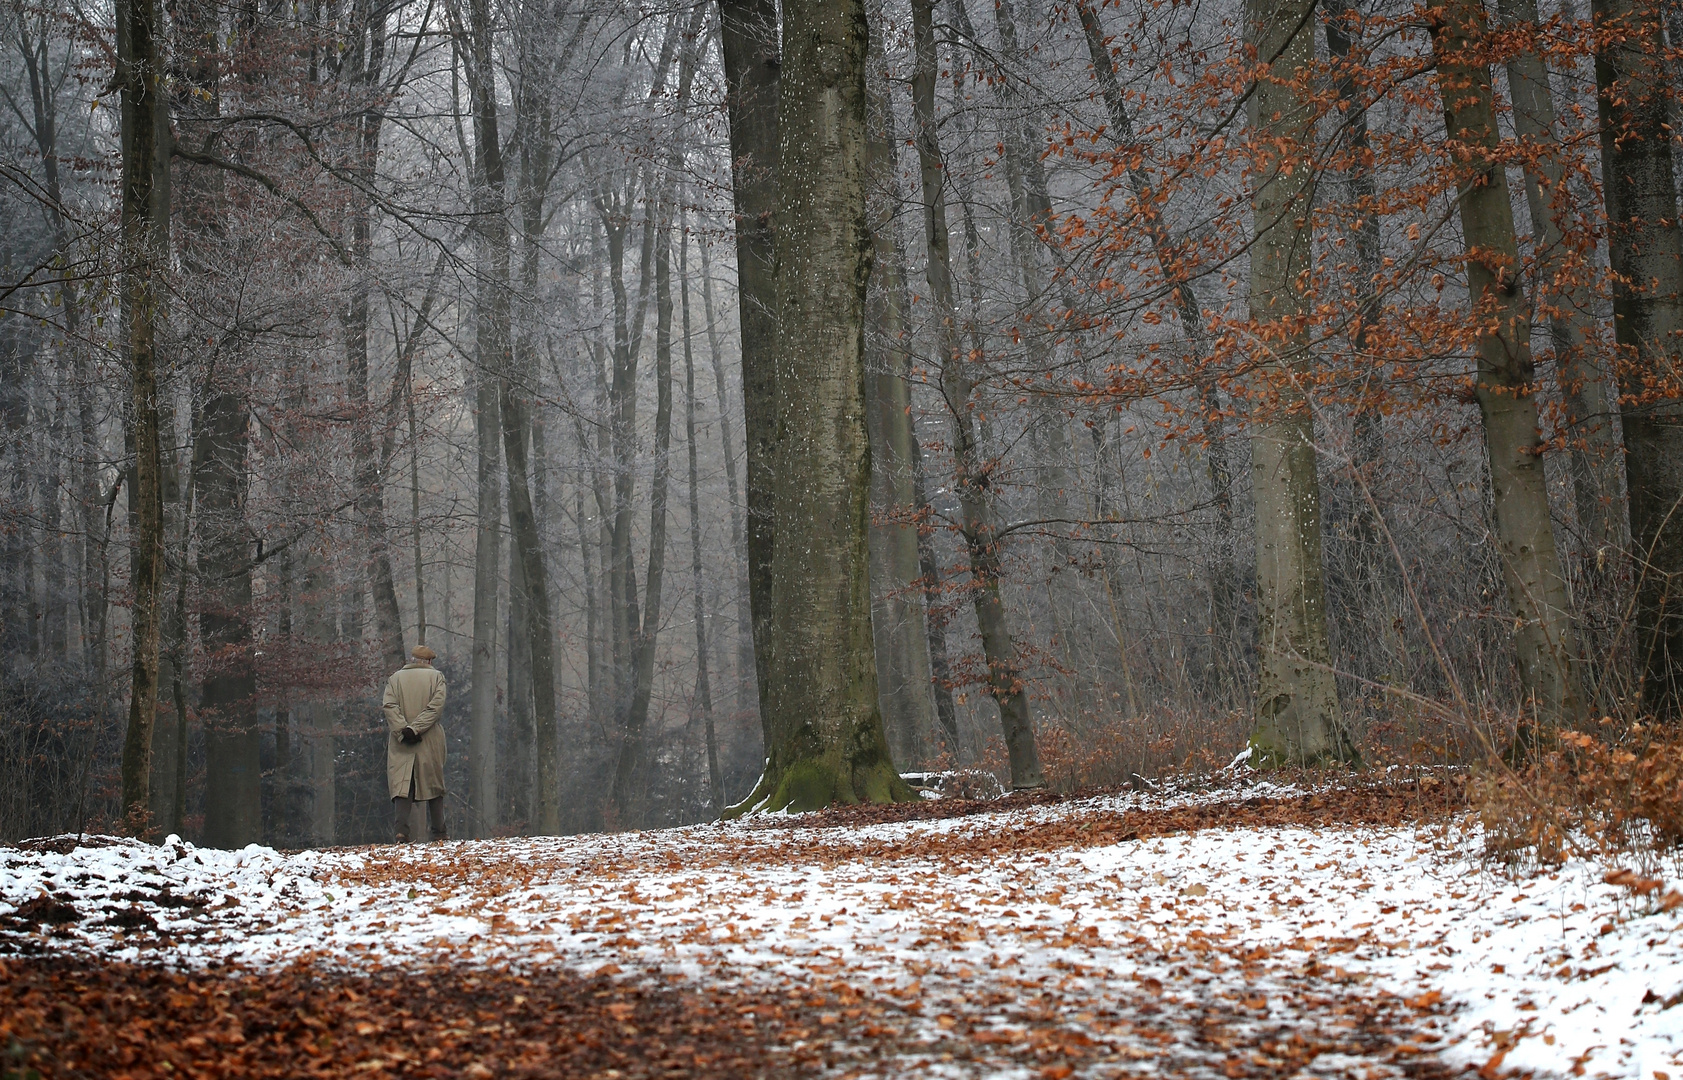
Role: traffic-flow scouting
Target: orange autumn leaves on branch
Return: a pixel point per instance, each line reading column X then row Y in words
column 1325, row 249
column 1187, row 220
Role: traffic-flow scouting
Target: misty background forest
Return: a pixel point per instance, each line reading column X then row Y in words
column 1285, row 376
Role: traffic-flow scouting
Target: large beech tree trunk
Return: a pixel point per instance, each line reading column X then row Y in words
column 749, row 34
column 1645, row 249
column 1005, row 681
column 1297, row 716
column 145, row 237
column 825, row 739
column 1524, row 535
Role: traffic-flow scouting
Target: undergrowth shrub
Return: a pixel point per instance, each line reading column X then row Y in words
column 1093, row 751
column 1586, row 795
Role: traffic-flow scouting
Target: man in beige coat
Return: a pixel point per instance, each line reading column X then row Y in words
column 413, row 704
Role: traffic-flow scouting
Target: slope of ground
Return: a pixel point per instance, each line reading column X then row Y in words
column 1259, row 932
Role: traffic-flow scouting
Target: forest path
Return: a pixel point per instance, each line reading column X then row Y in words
column 1260, row 932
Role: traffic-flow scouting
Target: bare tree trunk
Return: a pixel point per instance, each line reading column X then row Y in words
column 589, row 551
column 745, row 681
column 620, row 394
column 627, row 791
column 518, row 778
column 364, row 69
column 628, row 786
column 1543, row 636
column 1645, row 249
column 592, row 608
column 415, row 518
column 512, row 380
column 15, row 579
column 1022, row 125
column 233, row 773
column 825, row 738
column 316, row 718
column 1591, row 424
column 221, row 474
column 935, row 621
column 1368, row 444
column 482, row 716
column 703, row 686
column 897, row 618
column 169, row 742
column 484, row 809
column 85, row 475
column 1005, row 682
column 749, row 30
column 1297, row 715
column 145, row 218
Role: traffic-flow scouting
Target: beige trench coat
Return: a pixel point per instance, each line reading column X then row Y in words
column 415, row 699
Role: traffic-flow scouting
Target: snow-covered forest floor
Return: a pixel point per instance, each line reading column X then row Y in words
column 1251, row 931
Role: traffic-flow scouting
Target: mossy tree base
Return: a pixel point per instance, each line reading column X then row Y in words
column 831, row 779
column 1272, row 748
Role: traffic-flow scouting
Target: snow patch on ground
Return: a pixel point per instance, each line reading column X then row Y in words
column 975, row 927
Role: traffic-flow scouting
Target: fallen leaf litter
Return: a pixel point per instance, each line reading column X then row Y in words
column 1268, row 932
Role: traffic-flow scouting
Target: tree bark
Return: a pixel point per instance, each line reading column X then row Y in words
column 517, row 776
column 627, row 790
column 85, row 476
column 484, row 810
column 1543, row 636
column 825, row 738
column 169, row 777
column 1297, row 715
column 233, row 772
column 703, row 685
column 487, row 559
column 365, row 66
column 1591, row 423
column 512, row 406
column 628, row 787
column 315, row 718
column 749, row 30
column 415, row 517
column 145, row 236
column 1005, row 683
column 1645, row 250
column 897, row 616
column 745, row 681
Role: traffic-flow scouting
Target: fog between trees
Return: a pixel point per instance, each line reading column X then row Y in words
column 1061, row 389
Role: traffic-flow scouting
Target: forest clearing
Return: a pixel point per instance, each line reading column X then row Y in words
column 1249, row 930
